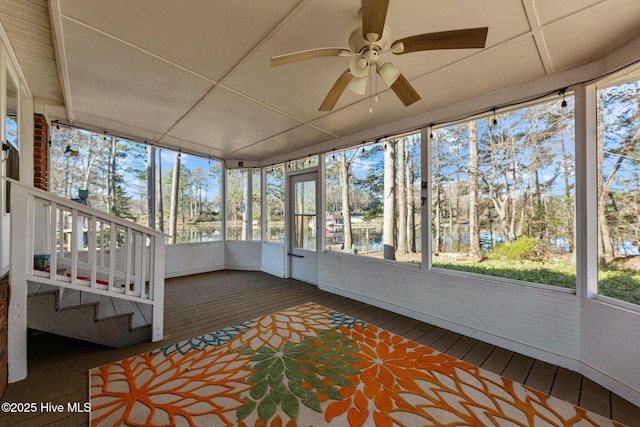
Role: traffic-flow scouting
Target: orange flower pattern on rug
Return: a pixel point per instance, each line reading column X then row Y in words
column 200, row 388
column 312, row 366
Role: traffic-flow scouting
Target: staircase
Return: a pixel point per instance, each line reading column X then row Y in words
column 105, row 320
column 79, row 272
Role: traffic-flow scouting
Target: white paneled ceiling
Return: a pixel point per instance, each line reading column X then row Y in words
column 196, row 74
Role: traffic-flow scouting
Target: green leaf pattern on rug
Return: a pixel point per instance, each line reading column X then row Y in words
column 298, row 374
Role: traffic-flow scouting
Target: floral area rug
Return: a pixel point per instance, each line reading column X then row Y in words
column 311, row 366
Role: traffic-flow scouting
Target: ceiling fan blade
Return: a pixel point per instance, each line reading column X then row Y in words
column 469, row 38
column 403, row 90
column 374, row 13
column 336, row 91
column 308, row 54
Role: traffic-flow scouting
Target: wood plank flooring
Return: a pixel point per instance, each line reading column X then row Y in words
column 58, row 366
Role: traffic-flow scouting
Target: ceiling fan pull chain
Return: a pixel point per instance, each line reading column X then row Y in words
column 375, row 77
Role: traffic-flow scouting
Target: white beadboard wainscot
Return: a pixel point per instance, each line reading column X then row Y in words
column 193, row 258
column 537, row 321
column 274, row 258
column 610, row 347
column 240, row 255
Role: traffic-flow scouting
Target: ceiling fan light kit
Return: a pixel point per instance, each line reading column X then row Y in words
column 359, row 85
column 373, row 39
column 389, row 73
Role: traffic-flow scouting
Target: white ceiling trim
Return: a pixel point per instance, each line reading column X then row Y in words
column 61, row 57
column 538, row 37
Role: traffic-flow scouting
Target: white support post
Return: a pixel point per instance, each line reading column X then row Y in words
column 157, row 286
column 586, row 192
column 20, row 253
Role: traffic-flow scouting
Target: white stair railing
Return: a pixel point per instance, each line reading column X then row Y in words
column 64, row 243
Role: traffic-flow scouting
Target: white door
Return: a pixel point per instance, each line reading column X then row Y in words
column 303, row 227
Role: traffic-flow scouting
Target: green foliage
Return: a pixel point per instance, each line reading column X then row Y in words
column 373, row 213
column 560, row 274
column 614, row 281
column 523, row 248
column 618, row 281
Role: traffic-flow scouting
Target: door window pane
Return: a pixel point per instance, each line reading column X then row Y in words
column 304, row 236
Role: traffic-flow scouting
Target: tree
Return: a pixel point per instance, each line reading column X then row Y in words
column 160, row 198
column 388, row 233
column 474, row 225
column 401, row 196
column 346, row 205
column 619, row 136
column 175, row 185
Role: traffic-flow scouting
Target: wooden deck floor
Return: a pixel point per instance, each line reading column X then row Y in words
column 58, row 367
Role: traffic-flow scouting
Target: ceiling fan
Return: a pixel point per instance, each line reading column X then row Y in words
column 373, row 39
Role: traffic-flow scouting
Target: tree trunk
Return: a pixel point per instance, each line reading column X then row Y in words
column 401, row 199
column 245, row 203
column 111, row 184
column 160, row 205
column 567, row 199
column 474, row 226
column 346, row 205
column 389, row 200
column 411, row 219
column 151, row 191
column 437, row 184
column 175, row 186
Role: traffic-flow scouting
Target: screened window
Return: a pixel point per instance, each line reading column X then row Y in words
column 373, row 199
column 502, row 195
column 103, row 171
column 274, row 204
column 619, row 190
column 236, row 207
column 300, row 164
column 256, row 208
column 198, row 186
column 243, row 204
column 112, row 174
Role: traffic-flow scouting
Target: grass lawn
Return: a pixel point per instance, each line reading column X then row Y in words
column 614, row 280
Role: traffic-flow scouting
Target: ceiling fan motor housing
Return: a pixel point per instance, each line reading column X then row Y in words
column 359, row 44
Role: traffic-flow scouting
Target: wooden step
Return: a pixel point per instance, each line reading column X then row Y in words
column 86, row 316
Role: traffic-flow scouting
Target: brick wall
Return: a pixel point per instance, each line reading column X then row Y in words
column 40, row 152
column 4, row 307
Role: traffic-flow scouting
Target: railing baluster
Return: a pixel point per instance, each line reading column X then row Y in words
column 53, row 240
column 74, row 246
column 152, row 264
column 112, row 254
column 101, row 243
column 137, row 265
column 61, row 229
column 143, row 267
column 93, row 259
column 127, row 261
